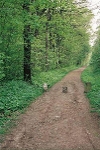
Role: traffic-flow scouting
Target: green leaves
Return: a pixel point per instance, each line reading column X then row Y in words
column 11, row 30
column 59, row 24
column 16, row 95
column 94, row 94
column 95, row 61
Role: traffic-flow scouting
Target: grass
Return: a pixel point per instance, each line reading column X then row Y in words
column 51, row 77
column 94, row 93
column 15, row 96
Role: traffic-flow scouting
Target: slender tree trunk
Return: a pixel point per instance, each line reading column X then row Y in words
column 27, row 54
column 27, row 47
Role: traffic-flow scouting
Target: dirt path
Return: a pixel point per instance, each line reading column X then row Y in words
column 57, row 121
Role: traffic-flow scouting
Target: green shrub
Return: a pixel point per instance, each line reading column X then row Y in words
column 94, row 94
column 15, row 96
column 51, row 77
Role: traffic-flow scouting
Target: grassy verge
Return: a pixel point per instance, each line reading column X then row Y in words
column 94, row 93
column 15, row 96
column 51, row 77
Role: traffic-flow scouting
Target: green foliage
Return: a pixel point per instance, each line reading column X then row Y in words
column 15, row 96
column 94, row 94
column 51, row 77
column 58, row 35
column 95, row 61
column 11, row 29
column 92, row 74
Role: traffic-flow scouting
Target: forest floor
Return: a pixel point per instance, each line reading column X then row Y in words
column 57, row 120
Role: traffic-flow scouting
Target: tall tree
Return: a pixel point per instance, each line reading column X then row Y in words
column 27, row 43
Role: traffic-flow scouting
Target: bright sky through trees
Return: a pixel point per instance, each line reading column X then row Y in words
column 94, row 5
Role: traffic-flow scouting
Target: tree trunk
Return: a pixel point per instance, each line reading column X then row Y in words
column 27, row 46
column 27, row 54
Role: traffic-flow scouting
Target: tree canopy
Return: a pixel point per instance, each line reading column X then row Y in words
column 39, row 35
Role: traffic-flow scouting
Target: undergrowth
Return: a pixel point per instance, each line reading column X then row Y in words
column 51, row 77
column 94, row 93
column 15, row 96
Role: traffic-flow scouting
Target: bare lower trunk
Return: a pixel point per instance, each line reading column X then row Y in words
column 27, row 46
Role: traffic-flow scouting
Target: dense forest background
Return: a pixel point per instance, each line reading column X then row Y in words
column 39, row 35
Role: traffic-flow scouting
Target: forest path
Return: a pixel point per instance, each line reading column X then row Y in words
column 57, row 121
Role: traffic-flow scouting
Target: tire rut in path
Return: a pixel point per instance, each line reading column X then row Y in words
column 57, row 121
